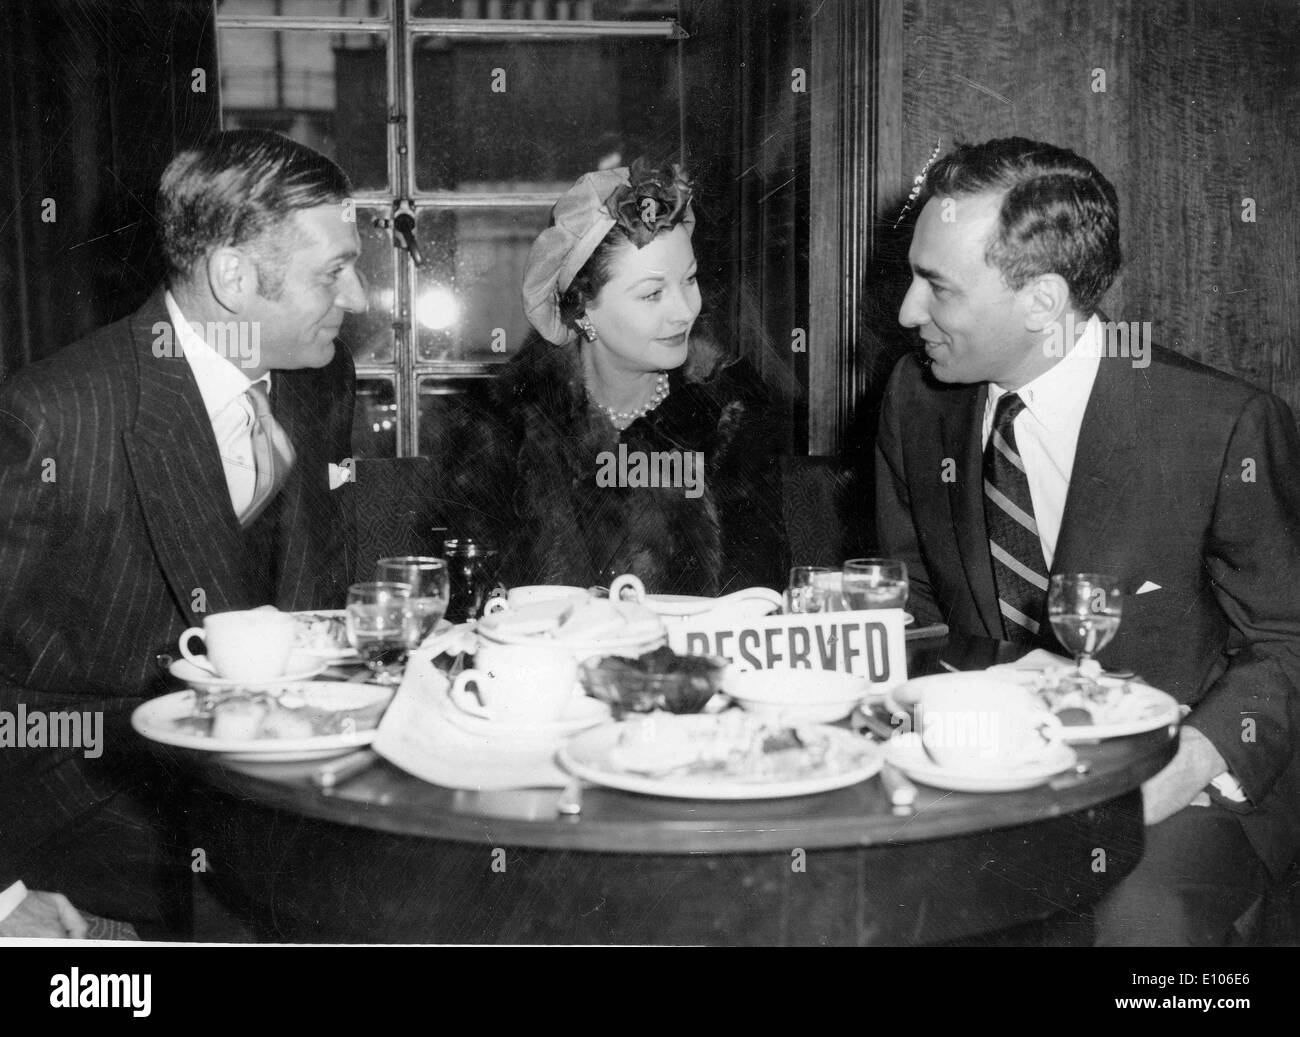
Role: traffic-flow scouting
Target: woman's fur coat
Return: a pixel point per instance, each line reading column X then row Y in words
column 533, row 477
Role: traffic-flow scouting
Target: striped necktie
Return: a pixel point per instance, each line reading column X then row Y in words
column 272, row 454
column 1013, row 534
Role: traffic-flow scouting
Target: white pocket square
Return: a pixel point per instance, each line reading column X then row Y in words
column 341, row 473
column 1147, row 587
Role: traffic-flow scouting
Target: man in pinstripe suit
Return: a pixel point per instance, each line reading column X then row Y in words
column 133, row 502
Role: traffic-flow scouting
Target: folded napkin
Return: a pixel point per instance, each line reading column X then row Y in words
column 416, row 736
column 1038, row 659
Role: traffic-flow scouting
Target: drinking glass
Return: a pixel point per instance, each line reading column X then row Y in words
column 1085, row 610
column 806, row 593
column 875, row 583
column 379, row 628
column 429, row 589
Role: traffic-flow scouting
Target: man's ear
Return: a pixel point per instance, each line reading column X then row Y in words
column 1046, row 300
column 232, row 278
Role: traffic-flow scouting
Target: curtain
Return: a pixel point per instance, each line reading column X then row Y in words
column 95, row 97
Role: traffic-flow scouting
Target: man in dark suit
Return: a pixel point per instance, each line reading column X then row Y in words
column 186, row 460
column 1032, row 439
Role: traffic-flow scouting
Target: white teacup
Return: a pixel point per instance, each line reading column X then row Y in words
column 253, row 645
column 518, row 684
column 985, row 724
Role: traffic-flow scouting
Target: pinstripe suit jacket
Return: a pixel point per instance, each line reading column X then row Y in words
column 117, row 533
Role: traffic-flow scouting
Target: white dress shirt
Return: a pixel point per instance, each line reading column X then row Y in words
column 1047, row 430
column 224, row 389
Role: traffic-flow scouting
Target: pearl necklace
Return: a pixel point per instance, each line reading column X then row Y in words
column 622, row 419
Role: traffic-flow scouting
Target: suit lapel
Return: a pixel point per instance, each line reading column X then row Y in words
column 315, row 567
column 297, row 531
column 178, row 475
column 961, row 426
column 1103, row 468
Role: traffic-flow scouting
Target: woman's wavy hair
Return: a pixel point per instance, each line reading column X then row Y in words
column 1059, row 215
column 638, row 223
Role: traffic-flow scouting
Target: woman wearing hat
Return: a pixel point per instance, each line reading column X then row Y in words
column 620, row 441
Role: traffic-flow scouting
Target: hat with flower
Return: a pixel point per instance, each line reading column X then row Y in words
column 640, row 202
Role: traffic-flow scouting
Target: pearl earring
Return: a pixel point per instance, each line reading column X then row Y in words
column 588, row 329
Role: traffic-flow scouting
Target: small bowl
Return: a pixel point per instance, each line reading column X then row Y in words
column 797, row 696
column 629, row 688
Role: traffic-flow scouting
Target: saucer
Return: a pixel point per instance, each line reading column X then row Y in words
column 580, row 713
column 906, row 752
column 302, row 666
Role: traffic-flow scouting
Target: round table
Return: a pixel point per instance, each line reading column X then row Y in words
column 390, row 858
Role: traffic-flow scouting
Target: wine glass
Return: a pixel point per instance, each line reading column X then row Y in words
column 430, row 591
column 807, row 590
column 1085, row 610
column 875, row 583
column 379, row 627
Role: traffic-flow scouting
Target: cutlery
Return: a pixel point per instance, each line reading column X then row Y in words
column 899, row 788
column 866, row 721
column 570, row 801
column 329, row 776
column 949, row 667
column 1073, row 776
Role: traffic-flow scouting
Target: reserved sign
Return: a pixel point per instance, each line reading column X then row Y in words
column 868, row 643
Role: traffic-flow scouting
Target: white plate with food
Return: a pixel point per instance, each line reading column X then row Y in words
column 1118, row 708
column 323, row 634
column 282, row 723
column 907, row 753
column 1112, row 708
column 301, row 667
column 728, row 756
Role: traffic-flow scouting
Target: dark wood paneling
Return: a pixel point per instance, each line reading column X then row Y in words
column 1226, row 86
column 1003, row 68
column 1197, row 115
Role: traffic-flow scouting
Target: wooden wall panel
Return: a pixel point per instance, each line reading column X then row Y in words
column 1198, row 113
column 1017, row 68
column 1214, row 121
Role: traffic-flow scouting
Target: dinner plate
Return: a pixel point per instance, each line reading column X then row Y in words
column 301, row 668
column 160, row 720
column 1140, row 709
column 587, row 755
column 906, row 752
column 1134, row 711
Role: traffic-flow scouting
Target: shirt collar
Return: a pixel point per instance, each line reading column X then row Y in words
column 220, row 381
column 1058, row 396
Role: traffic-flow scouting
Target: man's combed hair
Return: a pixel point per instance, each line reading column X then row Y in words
column 235, row 189
column 1059, row 214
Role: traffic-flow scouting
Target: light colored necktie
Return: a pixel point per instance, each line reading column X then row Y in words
column 272, row 454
